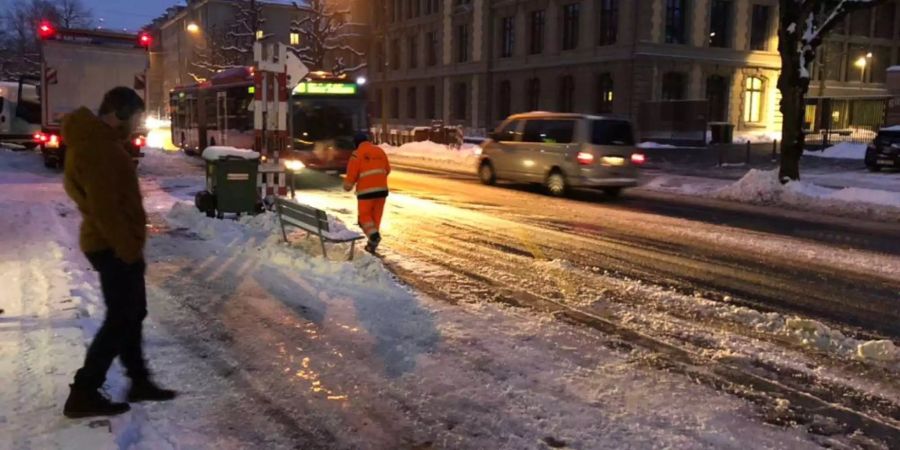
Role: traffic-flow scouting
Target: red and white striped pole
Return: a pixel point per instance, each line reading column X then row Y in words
column 270, row 112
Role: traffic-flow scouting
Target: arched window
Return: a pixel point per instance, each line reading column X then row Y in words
column 753, row 98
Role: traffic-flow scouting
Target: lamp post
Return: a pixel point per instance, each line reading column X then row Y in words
column 862, row 62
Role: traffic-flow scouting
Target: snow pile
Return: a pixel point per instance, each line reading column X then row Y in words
column 844, row 150
column 217, row 153
column 431, row 155
column 882, row 350
column 763, row 187
column 809, row 333
column 892, row 128
column 185, row 215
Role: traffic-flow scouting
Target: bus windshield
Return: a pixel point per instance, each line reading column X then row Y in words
column 327, row 119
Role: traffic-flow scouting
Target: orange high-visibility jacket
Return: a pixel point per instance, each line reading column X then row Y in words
column 368, row 170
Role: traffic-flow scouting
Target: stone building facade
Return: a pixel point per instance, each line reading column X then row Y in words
column 472, row 62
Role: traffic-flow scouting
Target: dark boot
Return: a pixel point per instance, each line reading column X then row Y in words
column 90, row 403
column 146, row 390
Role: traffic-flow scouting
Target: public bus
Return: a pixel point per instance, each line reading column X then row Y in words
column 325, row 112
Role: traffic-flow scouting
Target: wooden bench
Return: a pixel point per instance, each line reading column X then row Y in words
column 312, row 221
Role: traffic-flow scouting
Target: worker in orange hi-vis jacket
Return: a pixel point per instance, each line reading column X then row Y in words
column 368, row 170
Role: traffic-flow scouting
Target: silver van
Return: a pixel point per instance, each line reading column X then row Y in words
column 562, row 151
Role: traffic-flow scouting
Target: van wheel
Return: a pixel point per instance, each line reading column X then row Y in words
column 556, row 183
column 486, row 174
column 874, row 168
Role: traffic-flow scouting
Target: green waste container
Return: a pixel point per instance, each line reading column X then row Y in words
column 721, row 132
column 230, row 183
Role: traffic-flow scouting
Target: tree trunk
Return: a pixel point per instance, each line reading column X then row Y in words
column 793, row 89
column 793, row 139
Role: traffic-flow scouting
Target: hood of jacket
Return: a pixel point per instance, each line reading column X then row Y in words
column 82, row 126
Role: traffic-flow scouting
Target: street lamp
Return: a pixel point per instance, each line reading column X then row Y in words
column 861, row 63
column 193, row 28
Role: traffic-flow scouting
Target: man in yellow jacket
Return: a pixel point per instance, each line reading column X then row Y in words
column 102, row 180
column 368, row 170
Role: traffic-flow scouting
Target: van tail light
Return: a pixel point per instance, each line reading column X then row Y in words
column 53, row 139
column 585, row 158
column 140, row 141
column 39, row 137
column 638, row 158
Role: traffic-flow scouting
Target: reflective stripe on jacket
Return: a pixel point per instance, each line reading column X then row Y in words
column 368, row 170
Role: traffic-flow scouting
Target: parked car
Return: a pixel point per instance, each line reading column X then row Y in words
column 884, row 151
column 562, row 151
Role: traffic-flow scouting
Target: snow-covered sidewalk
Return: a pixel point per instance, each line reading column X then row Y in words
column 275, row 347
column 763, row 188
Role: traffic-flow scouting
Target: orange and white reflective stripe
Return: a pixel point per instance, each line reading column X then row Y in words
column 371, row 190
column 369, row 173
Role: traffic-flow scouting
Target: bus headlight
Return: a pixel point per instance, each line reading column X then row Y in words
column 294, row 165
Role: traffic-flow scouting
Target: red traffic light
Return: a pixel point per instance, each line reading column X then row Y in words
column 46, row 30
column 145, row 39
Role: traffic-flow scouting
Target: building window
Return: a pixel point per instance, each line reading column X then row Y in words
column 675, row 21
column 504, row 100
column 411, row 103
column 759, row 29
column 753, row 96
column 295, row 38
column 432, row 6
column 832, row 59
column 861, row 22
column 431, row 102
column 395, row 54
column 884, row 21
column 604, row 93
column 379, row 103
column 460, row 101
column 538, row 24
column 395, row 103
column 717, row 98
column 566, row 93
column 673, row 86
column 379, row 58
column 720, row 24
column 260, row 34
column 533, row 94
column 571, row 14
column 609, row 22
column 462, row 43
column 413, row 52
column 507, row 37
column 878, row 64
column 432, row 48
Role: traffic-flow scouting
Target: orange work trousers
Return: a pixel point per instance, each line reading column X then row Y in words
column 370, row 212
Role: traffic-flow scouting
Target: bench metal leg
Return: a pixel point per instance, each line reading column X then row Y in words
column 283, row 231
column 324, row 252
column 352, row 250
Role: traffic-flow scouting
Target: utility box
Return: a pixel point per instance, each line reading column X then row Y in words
column 231, row 182
column 721, row 132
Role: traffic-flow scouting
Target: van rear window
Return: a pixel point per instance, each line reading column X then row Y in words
column 612, row 132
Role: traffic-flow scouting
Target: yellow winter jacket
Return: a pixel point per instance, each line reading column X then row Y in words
column 102, row 180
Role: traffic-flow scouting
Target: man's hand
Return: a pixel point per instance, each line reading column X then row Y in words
column 348, row 187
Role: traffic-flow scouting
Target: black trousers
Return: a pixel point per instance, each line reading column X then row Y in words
column 125, row 295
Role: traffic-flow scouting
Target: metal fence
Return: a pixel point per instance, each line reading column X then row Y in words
column 830, row 121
